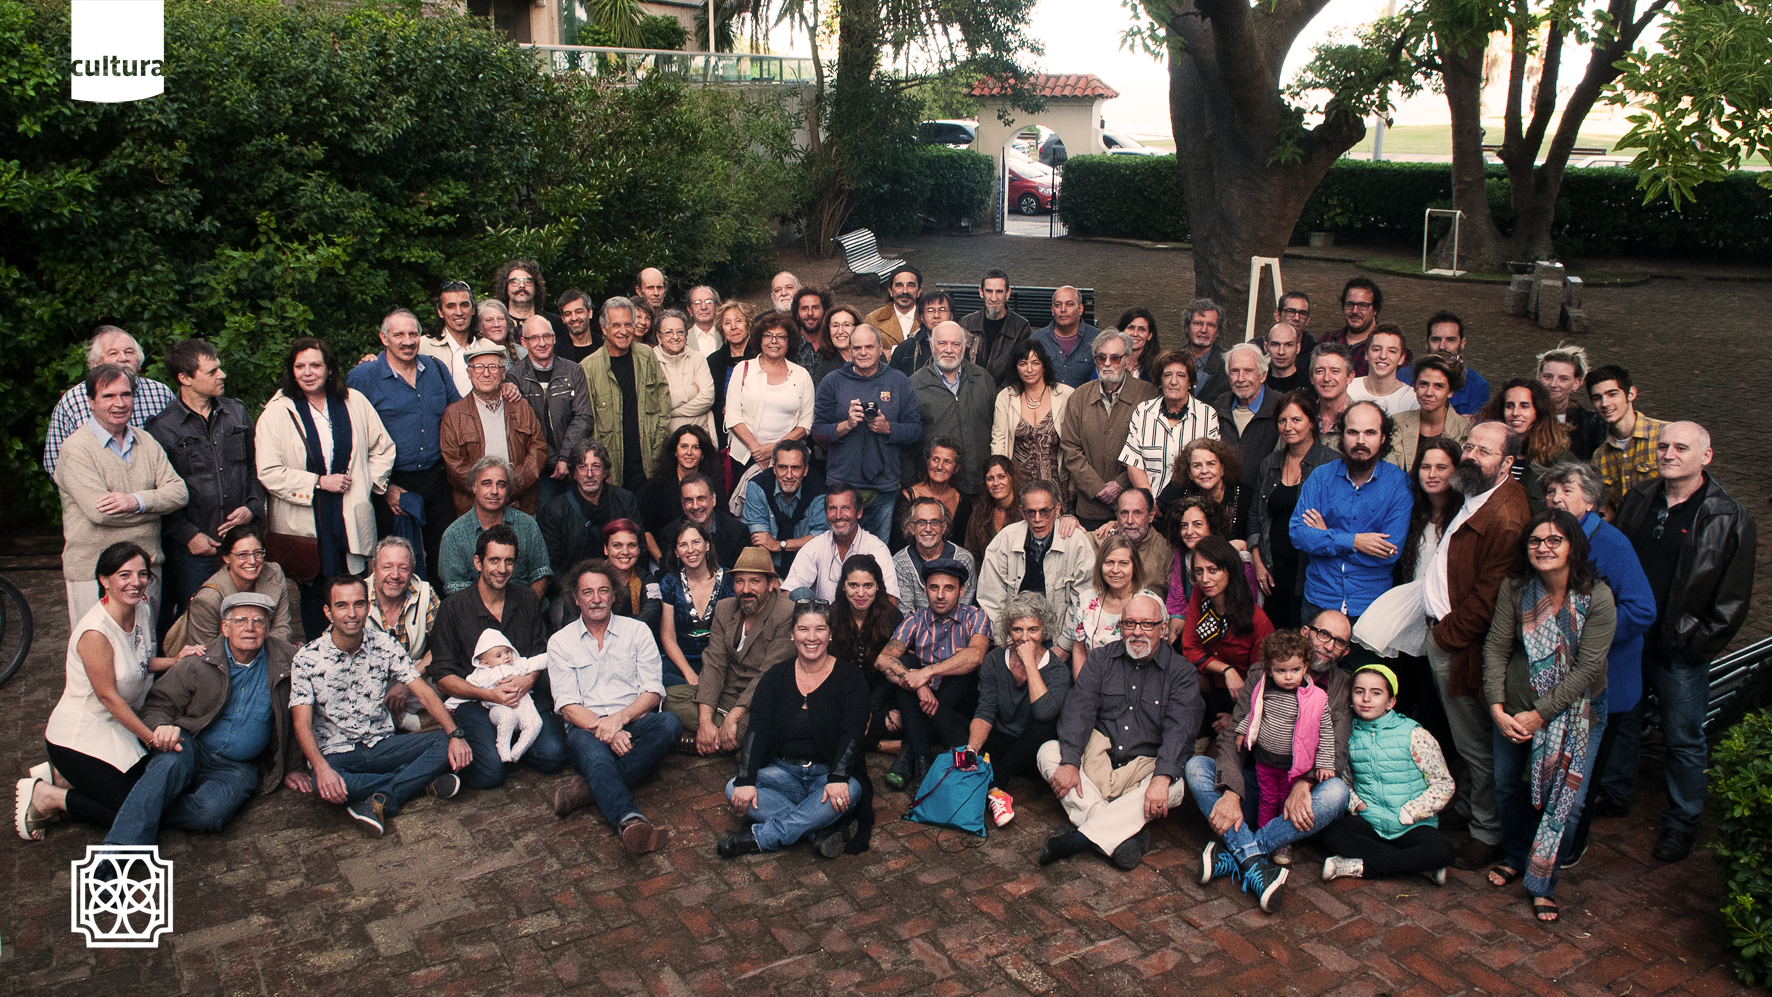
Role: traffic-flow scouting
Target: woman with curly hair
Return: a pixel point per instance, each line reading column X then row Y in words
column 1525, row 406
column 1212, row 469
column 688, row 450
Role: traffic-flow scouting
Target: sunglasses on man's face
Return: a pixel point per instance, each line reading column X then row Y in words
column 454, row 285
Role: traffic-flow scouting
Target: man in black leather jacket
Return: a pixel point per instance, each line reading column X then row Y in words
column 1697, row 546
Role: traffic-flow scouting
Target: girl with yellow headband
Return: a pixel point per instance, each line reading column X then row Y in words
column 1400, row 783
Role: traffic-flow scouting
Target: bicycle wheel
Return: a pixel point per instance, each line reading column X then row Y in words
column 15, row 629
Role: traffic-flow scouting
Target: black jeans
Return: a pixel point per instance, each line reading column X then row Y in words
column 1418, row 698
column 952, row 722
column 1419, row 849
column 432, row 485
column 97, row 790
column 1013, row 754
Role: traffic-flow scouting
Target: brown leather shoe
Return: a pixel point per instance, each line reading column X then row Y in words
column 1474, row 855
column 572, row 795
column 639, row 836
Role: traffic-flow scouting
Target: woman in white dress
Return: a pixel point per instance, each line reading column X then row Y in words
column 1119, row 575
column 98, row 747
column 769, row 398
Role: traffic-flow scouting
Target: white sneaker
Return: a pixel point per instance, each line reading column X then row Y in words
column 1335, row 867
column 1282, row 855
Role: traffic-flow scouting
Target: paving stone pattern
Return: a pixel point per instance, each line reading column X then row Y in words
column 489, row 893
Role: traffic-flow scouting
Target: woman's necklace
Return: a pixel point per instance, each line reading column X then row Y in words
column 1036, row 403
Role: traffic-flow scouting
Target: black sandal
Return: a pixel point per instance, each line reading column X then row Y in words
column 1507, row 875
column 1542, row 906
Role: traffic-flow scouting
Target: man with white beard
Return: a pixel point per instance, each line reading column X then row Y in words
column 956, row 399
column 1460, row 579
column 1143, row 698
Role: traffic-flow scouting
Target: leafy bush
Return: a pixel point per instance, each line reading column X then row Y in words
column 663, row 32
column 957, row 184
column 1600, row 211
column 307, row 168
column 1741, row 796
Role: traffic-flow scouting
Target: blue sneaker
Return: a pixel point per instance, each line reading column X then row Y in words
column 1216, row 863
column 1263, row 879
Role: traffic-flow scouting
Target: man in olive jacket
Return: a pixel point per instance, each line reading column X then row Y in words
column 956, row 400
column 222, row 731
column 630, row 398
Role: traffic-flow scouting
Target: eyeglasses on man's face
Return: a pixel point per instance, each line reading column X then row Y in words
column 486, row 368
column 1339, row 643
column 1139, row 626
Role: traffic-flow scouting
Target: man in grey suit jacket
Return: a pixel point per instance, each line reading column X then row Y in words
column 752, row 630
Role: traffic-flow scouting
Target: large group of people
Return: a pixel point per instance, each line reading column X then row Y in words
column 1323, row 585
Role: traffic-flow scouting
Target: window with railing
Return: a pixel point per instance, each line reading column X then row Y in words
column 638, row 63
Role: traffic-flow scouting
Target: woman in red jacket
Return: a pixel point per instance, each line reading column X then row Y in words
column 1224, row 628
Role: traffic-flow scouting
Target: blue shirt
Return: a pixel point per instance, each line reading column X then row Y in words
column 1077, row 368
column 412, row 413
column 243, row 727
column 1612, row 553
column 1338, row 576
column 760, row 520
column 1466, row 401
column 1254, row 403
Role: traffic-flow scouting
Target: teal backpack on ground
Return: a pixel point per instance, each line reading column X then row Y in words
column 953, row 798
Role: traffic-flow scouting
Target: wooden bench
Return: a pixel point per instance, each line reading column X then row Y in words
column 861, row 256
column 1031, row 303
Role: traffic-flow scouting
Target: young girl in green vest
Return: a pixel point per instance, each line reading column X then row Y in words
column 1400, row 782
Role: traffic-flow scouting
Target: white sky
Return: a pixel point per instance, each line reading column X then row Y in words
column 1083, row 36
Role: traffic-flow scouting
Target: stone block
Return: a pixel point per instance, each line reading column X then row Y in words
column 1575, row 319
column 1573, row 289
column 1544, row 270
column 1550, row 304
column 1517, row 300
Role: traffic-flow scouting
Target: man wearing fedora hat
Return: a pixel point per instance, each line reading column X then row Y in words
column 949, row 642
column 221, row 728
column 752, row 630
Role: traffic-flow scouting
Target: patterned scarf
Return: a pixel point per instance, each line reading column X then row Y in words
column 1552, row 636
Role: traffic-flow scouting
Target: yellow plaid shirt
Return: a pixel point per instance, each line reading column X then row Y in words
column 1624, row 468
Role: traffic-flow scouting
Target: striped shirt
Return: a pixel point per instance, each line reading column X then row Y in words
column 1153, row 442
column 1625, row 464
column 937, row 638
column 1279, row 716
column 75, row 409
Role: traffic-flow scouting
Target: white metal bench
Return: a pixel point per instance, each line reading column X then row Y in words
column 861, row 255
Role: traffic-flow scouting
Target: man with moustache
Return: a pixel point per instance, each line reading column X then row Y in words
column 1461, row 577
column 1096, row 421
column 1351, row 517
column 781, row 290
column 996, row 338
column 752, row 630
column 897, row 319
column 519, row 285
column 956, row 400
column 1361, row 301
column 1134, row 513
column 1202, row 319
column 1143, row 698
column 810, row 304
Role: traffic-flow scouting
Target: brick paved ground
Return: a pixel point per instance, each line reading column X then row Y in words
column 491, row 894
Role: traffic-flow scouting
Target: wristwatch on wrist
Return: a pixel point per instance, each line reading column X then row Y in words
column 458, row 735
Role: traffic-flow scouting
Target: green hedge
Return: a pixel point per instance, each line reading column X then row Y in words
column 1741, row 797
column 1600, row 211
column 309, row 167
column 957, row 183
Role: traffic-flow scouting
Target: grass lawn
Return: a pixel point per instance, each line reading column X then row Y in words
column 1430, row 140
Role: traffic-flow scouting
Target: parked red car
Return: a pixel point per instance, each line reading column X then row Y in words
column 1030, row 187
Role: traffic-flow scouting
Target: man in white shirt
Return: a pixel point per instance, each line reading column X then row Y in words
column 704, row 338
column 608, row 680
column 818, row 568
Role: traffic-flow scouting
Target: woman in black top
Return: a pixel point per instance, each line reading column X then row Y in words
column 1279, row 566
column 863, row 619
column 800, row 765
column 687, row 450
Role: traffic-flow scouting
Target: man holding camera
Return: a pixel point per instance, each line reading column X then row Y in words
column 866, row 413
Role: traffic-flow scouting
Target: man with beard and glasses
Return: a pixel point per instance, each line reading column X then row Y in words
column 1142, row 698
column 995, row 336
column 898, row 318
column 1351, row 516
column 1460, row 580
column 1096, row 420
column 955, row 399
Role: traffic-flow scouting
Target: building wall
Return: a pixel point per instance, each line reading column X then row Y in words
column 1077, row 120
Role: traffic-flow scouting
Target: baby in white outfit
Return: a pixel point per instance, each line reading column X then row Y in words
column 518, row 726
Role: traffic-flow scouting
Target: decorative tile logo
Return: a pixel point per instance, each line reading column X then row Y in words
column 122, row 896
column 119, row 50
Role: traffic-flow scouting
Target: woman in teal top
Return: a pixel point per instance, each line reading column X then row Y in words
column 1399, row 782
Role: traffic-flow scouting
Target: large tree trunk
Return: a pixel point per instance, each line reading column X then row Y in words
column 1230, row 123
column 1481, row 246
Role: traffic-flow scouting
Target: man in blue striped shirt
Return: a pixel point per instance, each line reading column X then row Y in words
column 950, row 641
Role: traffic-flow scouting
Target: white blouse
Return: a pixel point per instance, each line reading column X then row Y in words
column 80, row 721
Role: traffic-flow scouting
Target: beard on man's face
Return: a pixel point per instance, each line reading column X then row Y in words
column 1469, row 478
column 1359, row 457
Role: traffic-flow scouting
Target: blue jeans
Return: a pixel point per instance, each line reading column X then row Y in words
column 1513, row 798
column 611, row 776
column 551, row 487
column 790, row 802
column 1683, row 690
column 195, row 789
column 185, row 574
column 877, row 517
column 1328, row 801
column 547, row 755
column 398, row 767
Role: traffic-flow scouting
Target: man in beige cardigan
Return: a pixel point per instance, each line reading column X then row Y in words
column 1096, row 418
column 115, row 485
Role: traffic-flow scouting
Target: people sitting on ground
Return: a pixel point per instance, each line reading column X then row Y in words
column 926, row 527
column 222, row 731
column 515, row 728
column 1544, row 677
column 1399, row 784
column 95, row 737
column 403, row 606
column 1287, row 730
column 938, row 689
column 690, row 586
column 244, row 569
column 1224, row 630
column 1127, row 726
column 1118, row 575
column 608, row 681
column 338, row 684
column 636, row 592
column 801, row 772
column 752, row 630
column 1021, row 690
column 1227, row 788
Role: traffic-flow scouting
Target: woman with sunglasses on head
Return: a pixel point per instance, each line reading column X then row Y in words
column 244, row 569
column 1525, row 406
column 1222, row 632
column 801, row 770
column 1544, row 678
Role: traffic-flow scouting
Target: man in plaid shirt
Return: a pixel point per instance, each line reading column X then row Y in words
column 109, row 344
column 1627, row 457
column 950, row 640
